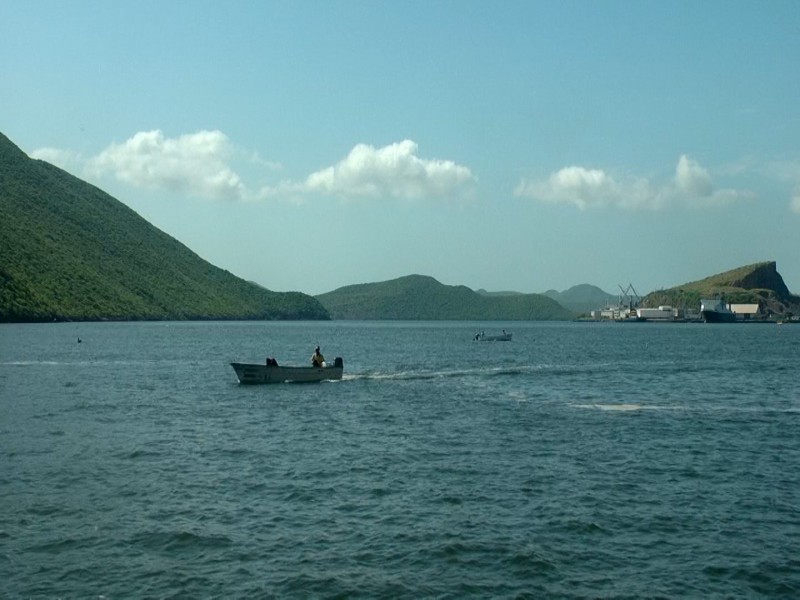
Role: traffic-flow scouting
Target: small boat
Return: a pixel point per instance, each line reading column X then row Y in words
column 716, row 311
column 274, row 373
column 502, row 337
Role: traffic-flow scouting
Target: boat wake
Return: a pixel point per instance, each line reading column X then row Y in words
column 29, row 363
column 622, row 407
column 706, row 409
column 439, row 374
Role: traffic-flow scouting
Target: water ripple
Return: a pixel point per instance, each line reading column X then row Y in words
column 562, row 464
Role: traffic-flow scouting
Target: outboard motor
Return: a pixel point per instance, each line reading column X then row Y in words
column 338, row 362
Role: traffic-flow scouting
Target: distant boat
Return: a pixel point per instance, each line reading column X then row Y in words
column 502, row 337
column 716, row 311
column 273, row 373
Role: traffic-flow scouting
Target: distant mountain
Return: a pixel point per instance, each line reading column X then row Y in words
column 483, row 292
column 69, row 251
column 582, row 298
column 418, row 297
column 751, row 284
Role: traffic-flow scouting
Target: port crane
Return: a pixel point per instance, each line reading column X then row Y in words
column 629, row 297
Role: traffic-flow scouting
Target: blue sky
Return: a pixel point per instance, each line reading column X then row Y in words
column 507, row 146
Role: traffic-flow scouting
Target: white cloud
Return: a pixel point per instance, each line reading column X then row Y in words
column 594, row 188
column 588, row 188
column 269, row 165
column 794, row 205
column 194, row 163
column 692, row 179
column 63, row 159
column 788, row 170
column 394, row 171
column 199, row 164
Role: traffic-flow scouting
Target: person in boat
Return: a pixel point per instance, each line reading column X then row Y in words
column 317, row 359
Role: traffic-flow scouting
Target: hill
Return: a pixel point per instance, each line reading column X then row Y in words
column 483, row 292
column 751, row 284
column 582, row 298
column 69, row 251
column 418, row 297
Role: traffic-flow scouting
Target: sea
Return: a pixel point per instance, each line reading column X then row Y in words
column 579, row 460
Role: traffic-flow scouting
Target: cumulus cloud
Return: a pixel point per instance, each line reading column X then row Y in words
column 194, row 163
column 199, row 164
column 594, row 188
column 393, row 171
column 587, row 188
column 692, row 179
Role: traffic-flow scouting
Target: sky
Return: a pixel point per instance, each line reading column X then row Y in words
column 522, row 146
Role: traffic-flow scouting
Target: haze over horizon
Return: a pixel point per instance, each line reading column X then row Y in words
column 522, row 147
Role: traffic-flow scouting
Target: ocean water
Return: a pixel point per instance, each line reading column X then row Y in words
column 579, row 460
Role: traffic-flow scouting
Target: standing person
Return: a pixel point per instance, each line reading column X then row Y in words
column 317, row 359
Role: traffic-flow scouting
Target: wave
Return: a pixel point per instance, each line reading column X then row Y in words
column 178, row 540
column 139, row 453
column 91, row 362
column 705, row 408
column 620, row 407
column 61, row 545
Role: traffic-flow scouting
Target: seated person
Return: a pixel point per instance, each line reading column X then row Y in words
column 317, row 360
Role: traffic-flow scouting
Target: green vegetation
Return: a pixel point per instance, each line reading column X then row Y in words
column 582, row 298
column 69, row 251
column 417, row 297
column 758, row 283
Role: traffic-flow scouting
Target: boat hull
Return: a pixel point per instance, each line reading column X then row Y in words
column 249, row 373
column 716, row 311
column 715, row 316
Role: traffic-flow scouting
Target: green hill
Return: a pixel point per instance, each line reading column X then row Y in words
column 417, row 297
column 582, row 298
column 69, row 251
column 751, row 284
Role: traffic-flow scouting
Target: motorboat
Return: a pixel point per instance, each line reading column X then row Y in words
column 272, row 372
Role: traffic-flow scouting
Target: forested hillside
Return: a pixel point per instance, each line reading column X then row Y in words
column 69, row 251
column 418, row 297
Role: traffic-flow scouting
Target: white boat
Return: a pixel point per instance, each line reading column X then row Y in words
column 502, row 337
column 273, row 373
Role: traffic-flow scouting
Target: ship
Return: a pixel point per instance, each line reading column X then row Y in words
column 716, row 311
